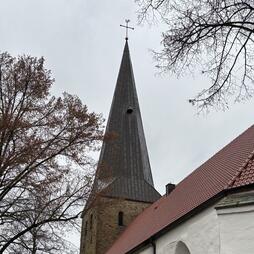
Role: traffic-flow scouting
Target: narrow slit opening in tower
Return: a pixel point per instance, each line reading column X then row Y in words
column 120, row 219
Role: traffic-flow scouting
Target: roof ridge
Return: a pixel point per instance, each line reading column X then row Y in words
column 239, row 171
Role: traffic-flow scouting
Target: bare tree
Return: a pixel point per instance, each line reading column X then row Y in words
column 214, row 37
column 45, row 167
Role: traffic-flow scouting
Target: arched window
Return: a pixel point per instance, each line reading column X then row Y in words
column 120, row 219
column 181, row 248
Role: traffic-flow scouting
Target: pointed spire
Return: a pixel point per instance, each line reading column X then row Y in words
column 124, row 169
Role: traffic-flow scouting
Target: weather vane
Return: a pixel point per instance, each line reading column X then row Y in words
column 127, row 27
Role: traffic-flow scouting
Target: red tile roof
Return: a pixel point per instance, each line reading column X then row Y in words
column 246, row 175
column 231, row 167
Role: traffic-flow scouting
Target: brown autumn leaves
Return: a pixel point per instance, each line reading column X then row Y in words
column 45, row 168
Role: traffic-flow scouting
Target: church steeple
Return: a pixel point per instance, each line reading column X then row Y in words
column 124, row 169
column 123, row 185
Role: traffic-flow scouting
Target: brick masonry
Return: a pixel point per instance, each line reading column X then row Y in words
column 100, row 223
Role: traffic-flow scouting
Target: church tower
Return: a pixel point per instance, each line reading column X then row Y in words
column 123, row 185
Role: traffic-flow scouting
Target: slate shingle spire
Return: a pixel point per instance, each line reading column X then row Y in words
column 124, row 169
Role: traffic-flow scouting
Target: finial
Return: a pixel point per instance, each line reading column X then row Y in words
column 127, row 27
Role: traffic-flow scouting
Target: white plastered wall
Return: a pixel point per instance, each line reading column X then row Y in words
column 200, row 234
column 221, row 231
column 148, row 250
column 237, row 230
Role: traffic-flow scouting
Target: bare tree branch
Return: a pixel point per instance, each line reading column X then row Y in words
column 214, row 37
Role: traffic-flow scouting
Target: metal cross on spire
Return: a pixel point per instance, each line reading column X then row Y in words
column 127, row 27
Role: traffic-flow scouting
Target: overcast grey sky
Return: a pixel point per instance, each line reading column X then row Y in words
column 82, row 43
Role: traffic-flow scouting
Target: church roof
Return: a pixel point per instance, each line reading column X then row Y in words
column 245, row 175
column 124, row 168
column 231, row 167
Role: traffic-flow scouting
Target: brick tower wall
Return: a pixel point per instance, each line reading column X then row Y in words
column 100, row 224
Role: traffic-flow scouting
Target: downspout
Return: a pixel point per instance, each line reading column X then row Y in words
column 153, row 245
